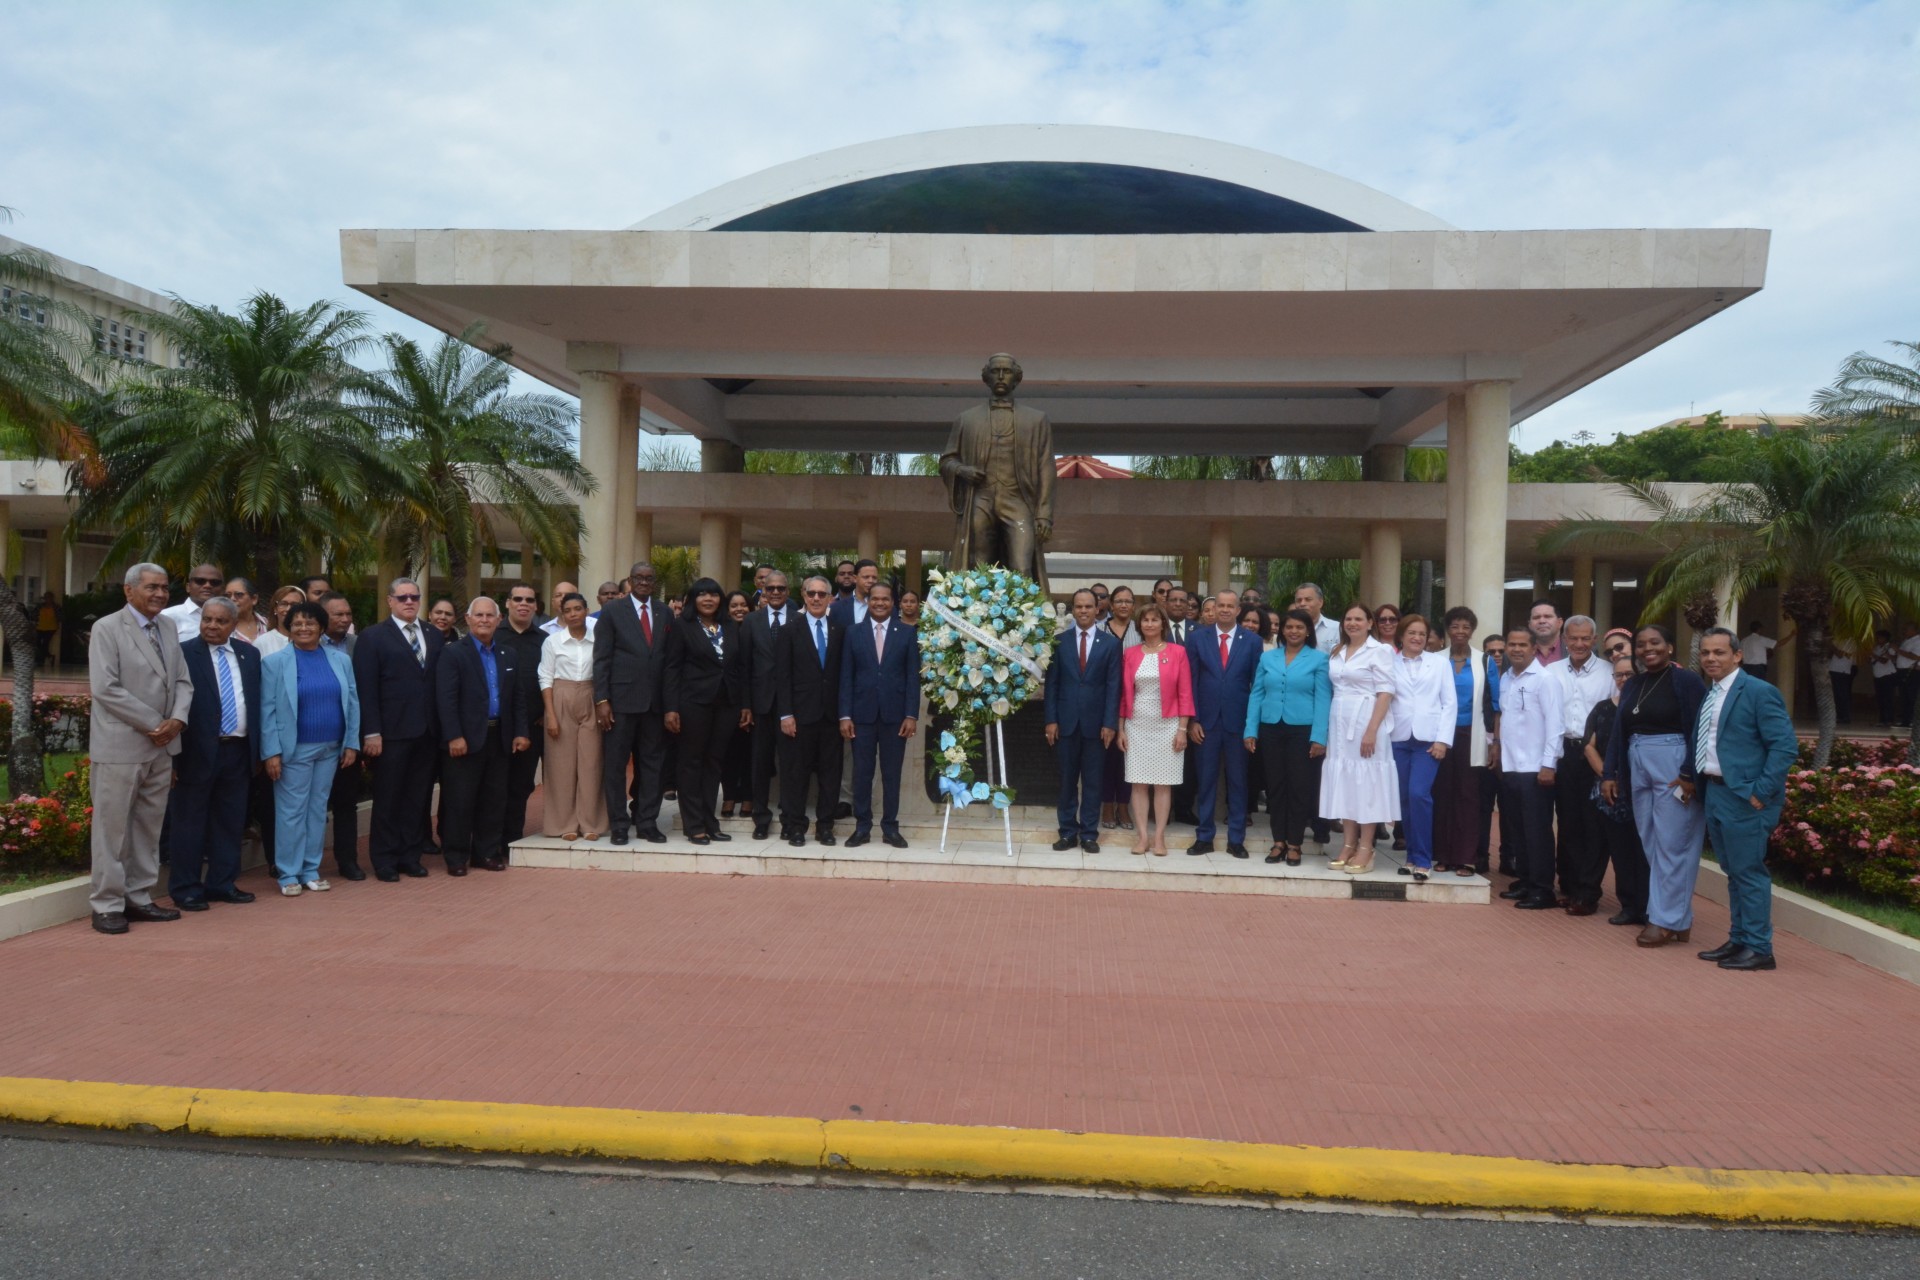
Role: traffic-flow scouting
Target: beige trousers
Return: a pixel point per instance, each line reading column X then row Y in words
column 576, row 795
column 129, row 804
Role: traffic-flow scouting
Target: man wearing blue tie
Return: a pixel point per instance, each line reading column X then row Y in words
column 219, row 751
column 1743, row 747
column 879, row 711
column 1223, row 657
column 1083, row 703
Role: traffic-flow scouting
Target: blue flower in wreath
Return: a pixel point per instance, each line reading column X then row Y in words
column 1000, row 798
column 953, row 771
column 981, row 791
column 947, row 742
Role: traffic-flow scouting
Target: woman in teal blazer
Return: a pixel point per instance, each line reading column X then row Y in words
column 301, row 752
column 1287, row 722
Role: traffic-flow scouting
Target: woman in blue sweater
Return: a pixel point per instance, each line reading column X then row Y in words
column 309, row 719
column 1287, row 725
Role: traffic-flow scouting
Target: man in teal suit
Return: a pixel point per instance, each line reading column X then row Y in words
column 1743, row 747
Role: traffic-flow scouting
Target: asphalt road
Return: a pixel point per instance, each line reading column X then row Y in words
column 91, row 1209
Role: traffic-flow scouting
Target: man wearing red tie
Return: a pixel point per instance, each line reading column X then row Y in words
column 1223, row 657
column 1083, row 702
column 879, row 711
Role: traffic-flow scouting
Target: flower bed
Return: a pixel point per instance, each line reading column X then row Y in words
column 1855, row 824
column 984, row 649
column 45, row 834
column 59, row 721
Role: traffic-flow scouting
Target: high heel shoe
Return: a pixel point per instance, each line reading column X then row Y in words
column 1293, row 855
column 1346, row 855
column 1353, row 867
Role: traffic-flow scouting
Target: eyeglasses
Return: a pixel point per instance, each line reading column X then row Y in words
column 207, row 582
column 817, row 595
column 772, row 587
column 412, row 599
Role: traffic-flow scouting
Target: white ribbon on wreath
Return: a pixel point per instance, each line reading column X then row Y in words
column 993, row 643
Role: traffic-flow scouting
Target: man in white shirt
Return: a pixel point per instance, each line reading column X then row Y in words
column 203, row 583
column 1326, row 631
column 1532, row 725
column 1907, row 667
column 1586, row 680
column 1754, row 651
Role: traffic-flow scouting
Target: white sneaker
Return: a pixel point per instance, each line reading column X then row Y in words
column 289, row 890
column 316, row 886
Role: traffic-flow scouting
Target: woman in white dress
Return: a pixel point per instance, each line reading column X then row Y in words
column 1359, row 787
column 1156, row 702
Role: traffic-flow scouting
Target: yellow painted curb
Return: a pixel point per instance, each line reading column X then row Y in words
column 960, row 1151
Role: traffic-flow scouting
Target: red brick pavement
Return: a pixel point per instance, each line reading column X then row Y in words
column 1445, row 1028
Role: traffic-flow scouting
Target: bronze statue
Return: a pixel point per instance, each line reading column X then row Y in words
column 998, row 468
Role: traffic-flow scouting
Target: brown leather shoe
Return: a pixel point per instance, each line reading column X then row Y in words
column 1581, row 908
column 150, row 912
column 1654, row 936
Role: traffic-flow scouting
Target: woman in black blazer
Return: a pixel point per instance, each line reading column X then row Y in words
column 706, row 698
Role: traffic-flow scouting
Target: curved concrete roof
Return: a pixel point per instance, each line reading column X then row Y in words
column 1044, row 143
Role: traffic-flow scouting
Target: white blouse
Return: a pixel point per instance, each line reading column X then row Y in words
column 564, row 658
column 1365, row 673
column 1425, row 703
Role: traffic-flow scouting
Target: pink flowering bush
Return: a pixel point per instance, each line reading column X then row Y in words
column 40, row 834
column 59, row 721
column 1853, row 753
column 1853, row 827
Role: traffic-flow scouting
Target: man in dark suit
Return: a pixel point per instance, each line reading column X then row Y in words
column 394, row 666
column 219, row 750
column 807, row 662
column 761, row 632
column 1744, row 746
column 1223, row 657
column 524, row 635
column 1083, row 706
column 629, row 666
column 879, row 711
column 349, row 781
column 851, row 610
column 483, row 721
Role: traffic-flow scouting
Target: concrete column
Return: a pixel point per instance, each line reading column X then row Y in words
column 1786, row 655
column 1456, row 562
column 912, row 569
column 471, row 587
column 600, row 454
column 713, row 545
column 722, row 455
column 736, row 534
column 1190, row 571
column 1220, row 558
column 1489, row 421
column 1729, row 608
column 1583, row 585
column 386, row 571
column 1384, row 462
column 6, row 536
column 66, row 571
column 642, row 542
column 626, row 485
column 1603, row 594
column 869, row 539
column 1380, row 564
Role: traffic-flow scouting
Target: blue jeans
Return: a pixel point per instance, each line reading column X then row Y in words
column 300, row 810
column 1671, row 831
column 1417, row 770
column 1738, row 833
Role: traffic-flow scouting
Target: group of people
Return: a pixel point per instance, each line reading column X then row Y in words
column 1592, row 750
column 206, row 713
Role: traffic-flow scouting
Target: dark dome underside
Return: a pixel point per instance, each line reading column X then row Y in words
column 1042, row 198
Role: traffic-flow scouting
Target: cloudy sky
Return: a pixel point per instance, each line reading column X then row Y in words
column 211, row 150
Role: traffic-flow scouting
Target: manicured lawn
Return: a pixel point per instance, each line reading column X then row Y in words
column 13, row 884
column 56, row 765
column 1888, row 915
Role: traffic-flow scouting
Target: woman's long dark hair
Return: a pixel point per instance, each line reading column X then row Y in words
column 702, row 587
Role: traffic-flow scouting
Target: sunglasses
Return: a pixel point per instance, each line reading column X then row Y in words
column 772, row 587
column 520, row 600
column 817, row 595
column 413, row 599
column 207, row 582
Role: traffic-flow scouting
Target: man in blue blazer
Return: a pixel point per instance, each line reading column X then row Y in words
column 879, row 710
column 1083, row 708
column 1223, row 657
column 482, row 713
column 219, row 751
column 1743, row 747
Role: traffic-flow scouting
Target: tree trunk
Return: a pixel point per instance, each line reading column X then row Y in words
column 1423, row 594
column 26, row 764
column 457, row 575
column 266, row 564
column 1702, row 611
column 1819, row 650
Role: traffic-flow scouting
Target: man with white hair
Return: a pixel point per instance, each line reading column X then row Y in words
column 1586, row 680
column 142, row 696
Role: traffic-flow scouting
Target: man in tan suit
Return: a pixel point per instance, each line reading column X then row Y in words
column 141, row 697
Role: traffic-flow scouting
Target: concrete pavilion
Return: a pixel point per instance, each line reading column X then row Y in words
column 1165, row 294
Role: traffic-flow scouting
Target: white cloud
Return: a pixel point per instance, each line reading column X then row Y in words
column 216, row 149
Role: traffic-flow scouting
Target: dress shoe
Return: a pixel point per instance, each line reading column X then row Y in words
column 826, row 839
column 1747, row 959
column 1724, row 950
column 619, row 835
column 842, row 811
column 191, row 904
column 1539, row 902
column 387, row 877
column 797, row 840
column 350, row 872
column 1513, row 891
column 1089, row 845
column 1237, row 849
column 895, row 839
column 240, row 895
column 857, row 839
column 1654, row 936
column 109, row 922
column 417, row 872
column 455, row 871
column 491, row 864
column 150, row 913
column 1065, row 843
column 1582, row 908
column 654, row 835
column 1625, row 916
column 761, row 830
column 1199, row 847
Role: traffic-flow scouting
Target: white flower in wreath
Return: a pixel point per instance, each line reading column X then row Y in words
column 999, row 673
column 976, row 677
column 1001, row 707
column 952, row 699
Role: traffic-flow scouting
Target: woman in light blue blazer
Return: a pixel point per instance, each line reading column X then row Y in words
column 1287, row 722
column 309, row 719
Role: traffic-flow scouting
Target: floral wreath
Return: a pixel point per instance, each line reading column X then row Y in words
column 983, row 653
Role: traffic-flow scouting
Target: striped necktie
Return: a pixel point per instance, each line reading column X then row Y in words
column 1705, row 727
column 413, row 642
column 229, row 712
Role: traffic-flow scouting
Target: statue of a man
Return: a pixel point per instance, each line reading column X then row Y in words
column 998, row 468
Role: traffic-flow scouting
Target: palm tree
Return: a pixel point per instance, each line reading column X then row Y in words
column 43, row 349
column 246, row 453
column 446, row 422
column 1868, row 387
column 1832, row 516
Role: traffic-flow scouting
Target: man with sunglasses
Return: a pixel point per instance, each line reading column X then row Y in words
column 203, row 583
column 394, row 667
column 521, row 633
column 760, row 638
column 629, row 672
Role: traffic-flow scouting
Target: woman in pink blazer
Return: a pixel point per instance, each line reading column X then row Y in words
column 1156, row 701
